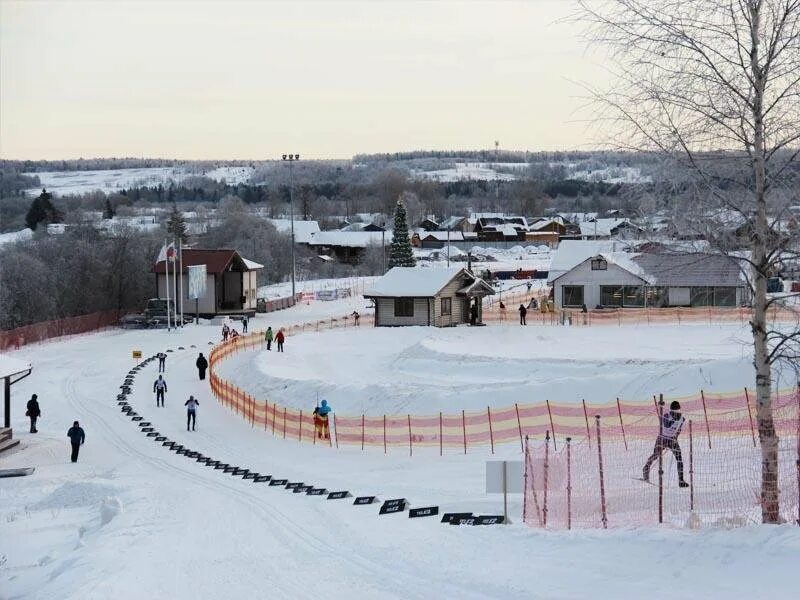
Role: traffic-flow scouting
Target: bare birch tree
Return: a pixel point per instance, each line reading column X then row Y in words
column 714, row 85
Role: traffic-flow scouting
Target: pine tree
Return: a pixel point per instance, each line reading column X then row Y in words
column 42, row 210
column 400, row 254
column 176, row 225
column 108, row 212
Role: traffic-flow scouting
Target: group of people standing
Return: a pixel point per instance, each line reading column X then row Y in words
column 278, row 337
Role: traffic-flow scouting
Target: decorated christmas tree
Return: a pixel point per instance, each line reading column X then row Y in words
column 400, row 254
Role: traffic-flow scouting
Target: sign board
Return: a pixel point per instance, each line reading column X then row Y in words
column 197, row 281
column 451, row 517
column 393, row 506
column 293, row 486
column 316, row 491
column 338, row 495
column 364, row 500
column 279, row 482
column 137, row 354
column 488, row 520
column 261, row 479
column 302, row 489
column 428, row 511
column 494, row 477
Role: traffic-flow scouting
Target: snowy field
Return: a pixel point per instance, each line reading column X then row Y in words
column 63, row 183
column 133, row 520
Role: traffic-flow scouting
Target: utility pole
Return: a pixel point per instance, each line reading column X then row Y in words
column 292, row 158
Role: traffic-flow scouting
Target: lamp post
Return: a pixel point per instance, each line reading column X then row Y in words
column 292, row 158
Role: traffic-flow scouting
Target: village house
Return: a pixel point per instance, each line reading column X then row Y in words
column 231, row 285
column 428, row 297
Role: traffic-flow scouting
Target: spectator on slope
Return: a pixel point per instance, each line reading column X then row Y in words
column 76, row 437
column 279, row 337
column 244, row 323
column 522, row 312
column 321, row 420
column 162, row 362
column 159, row 387
column 669, row 430
column 473, row 314
column 225, row 331
column 234, row 334
column 33, row 412
column 268, row 338
column 356, row 317
column 191, row 412
column 533, row 304
column 202, row 365
column 529, row 285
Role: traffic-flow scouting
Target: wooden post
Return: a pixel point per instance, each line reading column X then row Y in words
column 464, row 426
column 586, row 416
column 602, row 482
column 546, row 467
column 691, row 468
column 335, row 434
column 274, row 416
column 622, row 425
column 705, row 413
column 519, row 426
column 266, row 414
column 440, row 433
column 410, row 445
column 750, row 414
column 300, row 428
column 660, row 468
column 552, row 427
column 491, row 433
column 384, row 434
column 284, row 422
column 569, row 485
column 362, row 431
column 525, row 482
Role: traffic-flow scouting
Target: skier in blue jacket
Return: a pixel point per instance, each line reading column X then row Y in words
column 321, row 420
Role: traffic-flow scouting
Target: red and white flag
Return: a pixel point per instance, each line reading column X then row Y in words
column 168, row 252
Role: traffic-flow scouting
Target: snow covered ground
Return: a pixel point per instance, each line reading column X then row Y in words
column 133, row 520
column 13, row 237
column 62, row 183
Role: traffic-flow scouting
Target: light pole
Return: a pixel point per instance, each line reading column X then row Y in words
column 292, row 158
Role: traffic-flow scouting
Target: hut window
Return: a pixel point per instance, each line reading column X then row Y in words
column 403, row 307
column 599, row 264
column 447, row 306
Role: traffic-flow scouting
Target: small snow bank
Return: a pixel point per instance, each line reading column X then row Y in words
column 75, row 494
column 12, row 237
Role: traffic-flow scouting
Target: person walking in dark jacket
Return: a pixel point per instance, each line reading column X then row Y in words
column 191, row 411
column 268, row 338
column 279, row 340
column 669, row 430
column 522, row 312
column 159, row 387
column 34, row 412
column 162, row 362
column 202, row 365
column 244, row 323
column 76, row 437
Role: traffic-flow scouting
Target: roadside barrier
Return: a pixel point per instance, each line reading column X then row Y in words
column 38, row 332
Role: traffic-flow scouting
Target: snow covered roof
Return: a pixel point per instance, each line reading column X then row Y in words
column 350, row 239
column 453, row 236
column 573, row 252
column 252, row 265
column 412, row 282
column 303, row 230
column 603, row 227
column 12, row 366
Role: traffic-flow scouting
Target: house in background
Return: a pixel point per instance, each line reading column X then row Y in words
column 651, row 280
column 606, row 229
column 428, row 297
column 231, row 285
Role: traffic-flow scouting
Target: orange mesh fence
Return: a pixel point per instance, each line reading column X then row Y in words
column 38, row 332
column 583, row 483
column 715, row 416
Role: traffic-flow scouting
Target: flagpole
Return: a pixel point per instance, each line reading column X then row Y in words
column 174, row 285
column 180, row 268
column 166, row 278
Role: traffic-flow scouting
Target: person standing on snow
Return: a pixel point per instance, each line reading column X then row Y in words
column 76, row 437
column 225, row 331
column 522, row 312
column 321, row 420
column 162, row 362
column 159, row 387
column 202, row 365
column 244, row 323
column 191, row 412
column 268, row 338
column 669, row 430
column 279, row 337
column 34, row 412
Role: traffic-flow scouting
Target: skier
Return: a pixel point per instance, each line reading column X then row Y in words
column 244, row 323
column 76, row 437
column 225, row 331
column 356, row 317
column 159, row 387
column 268, row 338
column 191, row 412
column 202, row 365
column 234, row 334
column 34, row 412
column 162, row 362
column 321, row 420
column 669, row 430
column 529, row 285
column 279, row 339
column 522, row 312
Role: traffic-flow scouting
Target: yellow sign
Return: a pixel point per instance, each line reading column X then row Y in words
column 137, row 354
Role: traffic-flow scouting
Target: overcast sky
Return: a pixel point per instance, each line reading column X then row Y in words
column 254, row 79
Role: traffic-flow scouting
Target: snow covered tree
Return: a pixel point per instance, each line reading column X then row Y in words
column 176, row 225
column 400, row 254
